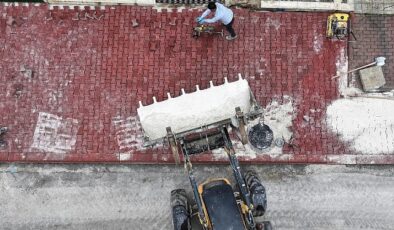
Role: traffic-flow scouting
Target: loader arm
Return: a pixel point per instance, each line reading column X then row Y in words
column 188, row 166
column 239, row 178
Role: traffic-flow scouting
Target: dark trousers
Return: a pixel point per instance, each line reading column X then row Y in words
column 230, row 29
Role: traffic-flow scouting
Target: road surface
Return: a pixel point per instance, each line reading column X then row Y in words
column 137, row 196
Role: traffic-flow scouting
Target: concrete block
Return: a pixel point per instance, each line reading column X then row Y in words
column 372, row 78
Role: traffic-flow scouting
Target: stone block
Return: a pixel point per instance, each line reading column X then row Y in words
column 372, row 78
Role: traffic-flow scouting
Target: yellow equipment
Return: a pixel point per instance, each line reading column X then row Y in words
column 338, row 25
column 197, row 122
column 200, row 29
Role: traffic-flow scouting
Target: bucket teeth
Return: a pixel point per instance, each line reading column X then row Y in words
column 183, row 92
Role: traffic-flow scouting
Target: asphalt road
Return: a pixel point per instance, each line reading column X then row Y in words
column 137, row 196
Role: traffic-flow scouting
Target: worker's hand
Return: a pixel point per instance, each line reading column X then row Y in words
column 202, row 21
column 199, row 19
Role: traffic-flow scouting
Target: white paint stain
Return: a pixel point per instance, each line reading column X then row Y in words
column 367, row 124
column 54, row 134
column 342, row 68
column 279, row 117
column 317, row 43
column 128, row 133
column 343, row 159
column 125, row 156
column 273, row 22
column 345, row 87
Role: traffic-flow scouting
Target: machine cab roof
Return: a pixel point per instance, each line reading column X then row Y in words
column 221, row 206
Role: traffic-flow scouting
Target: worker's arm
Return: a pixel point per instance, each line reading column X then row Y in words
column 206, row 12
column 213, row 20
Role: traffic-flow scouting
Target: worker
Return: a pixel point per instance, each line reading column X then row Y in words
column 222, row 13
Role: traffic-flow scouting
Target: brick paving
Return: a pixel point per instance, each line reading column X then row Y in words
column 71, row 79
column 375, row 37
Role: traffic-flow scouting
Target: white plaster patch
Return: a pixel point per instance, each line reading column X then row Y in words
column 366, row 123
column 272, row 22
column 343, row 159
column 169, row 8
column 351, row 92
column 241, row 150
column 317, row 43
column 279, row 117
column 344, row 87
column 128, row 134
column 125, row 156
column 54, row 134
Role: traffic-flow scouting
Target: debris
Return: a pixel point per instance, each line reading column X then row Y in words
column 273, row 22
column 11, row 169
column 76, row 17
column 87, row 16
column 18, row 88
column 134, row 23
column 18, row 143
column 49, row 17
column 28, row 73
column 306, row 118
column 11, row 21
column 279, row 142
column 95, row 16
column 279, row 117
column 374, row 97
column 351, row 92
column 389, row 94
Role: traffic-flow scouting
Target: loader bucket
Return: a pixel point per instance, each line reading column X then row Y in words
column 195, row 110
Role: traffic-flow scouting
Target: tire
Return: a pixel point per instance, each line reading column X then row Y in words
column 180, row 210
column 267, row 225
column 257, row 193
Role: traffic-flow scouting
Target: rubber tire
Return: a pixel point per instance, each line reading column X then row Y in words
column 180, row 210
column 267, row 225
column 257, row 193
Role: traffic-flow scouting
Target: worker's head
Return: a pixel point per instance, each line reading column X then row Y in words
column 212, row 6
